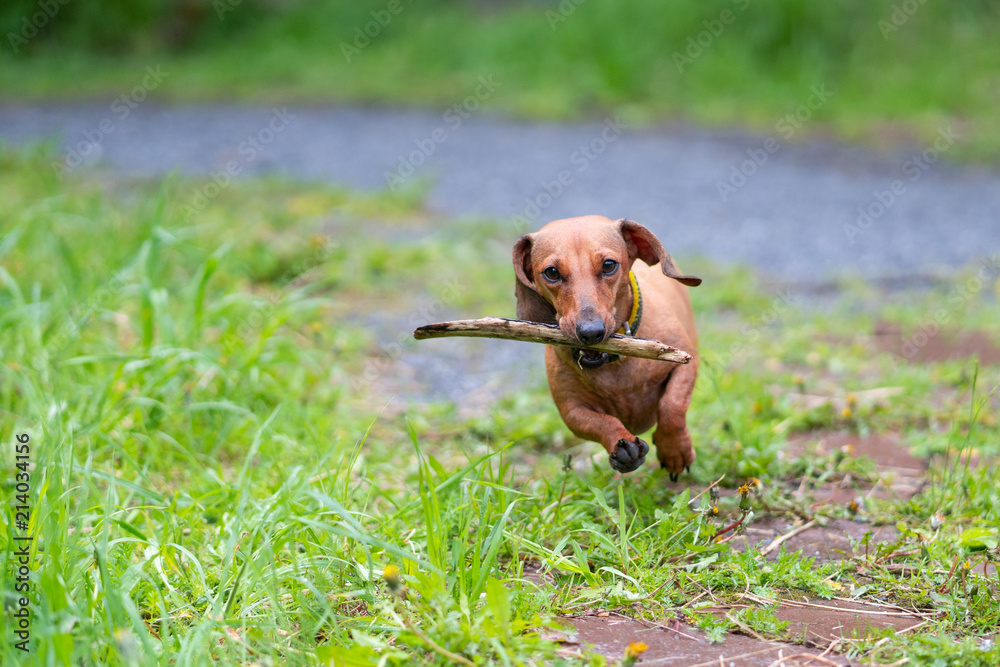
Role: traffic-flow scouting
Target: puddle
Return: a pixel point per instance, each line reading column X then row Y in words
column 945, row 346
column 611, row 635
column 471, row 373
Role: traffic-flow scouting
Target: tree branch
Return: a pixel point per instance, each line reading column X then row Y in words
column 549, row 334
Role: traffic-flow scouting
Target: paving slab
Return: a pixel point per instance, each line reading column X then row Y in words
column 611, row 635
column 824, row 621
column 823, row 542
column 947, row 345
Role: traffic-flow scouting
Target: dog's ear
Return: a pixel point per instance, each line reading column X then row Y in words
column 643, row 244
column 531, row 305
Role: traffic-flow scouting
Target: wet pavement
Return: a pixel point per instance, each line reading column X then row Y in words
column 686, row 646
column 833, row 539
column 809, row 211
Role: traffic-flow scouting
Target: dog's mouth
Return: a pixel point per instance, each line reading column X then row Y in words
column 588, row 359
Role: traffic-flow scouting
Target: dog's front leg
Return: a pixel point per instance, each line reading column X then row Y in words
column 672, row 439
column 625, row 451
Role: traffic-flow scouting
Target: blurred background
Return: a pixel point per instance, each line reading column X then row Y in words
column 764, row 133
column 898, row 69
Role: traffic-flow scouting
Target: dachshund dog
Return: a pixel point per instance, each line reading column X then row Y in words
column 593, row 277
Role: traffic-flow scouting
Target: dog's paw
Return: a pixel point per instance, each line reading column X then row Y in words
column 676, row 462
column 628, row 455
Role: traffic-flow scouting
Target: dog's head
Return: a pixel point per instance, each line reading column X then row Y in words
column 574, row 273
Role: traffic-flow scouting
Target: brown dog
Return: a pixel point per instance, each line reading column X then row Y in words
column 578, row 273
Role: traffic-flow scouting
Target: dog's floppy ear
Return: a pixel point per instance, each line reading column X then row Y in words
column 643, row 244
column 531, row 305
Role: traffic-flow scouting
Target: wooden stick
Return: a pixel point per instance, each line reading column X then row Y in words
column 533, row 332
column 787, row 536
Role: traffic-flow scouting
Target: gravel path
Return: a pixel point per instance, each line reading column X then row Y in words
column 793, row 210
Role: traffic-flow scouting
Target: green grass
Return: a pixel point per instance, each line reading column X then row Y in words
column 936, row 69
column 209, row 482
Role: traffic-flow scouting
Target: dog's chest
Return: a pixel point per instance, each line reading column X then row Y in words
column 633, row 397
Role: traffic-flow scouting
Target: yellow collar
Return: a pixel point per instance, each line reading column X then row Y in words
column 631, row 326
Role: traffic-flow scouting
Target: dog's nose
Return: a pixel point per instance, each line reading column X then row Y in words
column 590, row 331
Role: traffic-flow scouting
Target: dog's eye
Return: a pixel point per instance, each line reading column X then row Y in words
column 610, row 266
column 551, row 274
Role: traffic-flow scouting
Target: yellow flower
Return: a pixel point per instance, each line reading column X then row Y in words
column 846, row 413
column 634, row 650
column 391, row 577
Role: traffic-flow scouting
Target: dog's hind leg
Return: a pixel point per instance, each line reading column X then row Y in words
column 672, row 439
